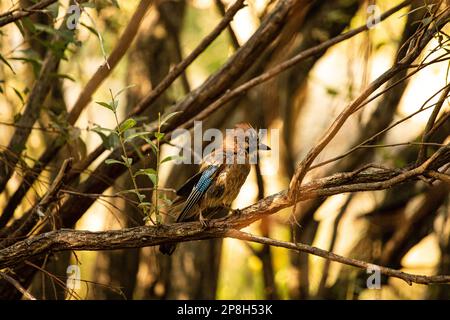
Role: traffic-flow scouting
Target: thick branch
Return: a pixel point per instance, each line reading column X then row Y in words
column 150, row 236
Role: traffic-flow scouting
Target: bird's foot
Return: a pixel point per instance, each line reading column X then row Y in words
column 203, row 221
column 238, row 212
column 234, row 211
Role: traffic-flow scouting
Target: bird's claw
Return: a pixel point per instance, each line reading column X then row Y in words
column 203, row 221
column 237, row 212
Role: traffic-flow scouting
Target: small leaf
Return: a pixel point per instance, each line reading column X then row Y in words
column 146, row 171
column 151, row 143
column 332, row 91
column 123, row 89
column 426, row 21
column 88, row 5
column 66, row 76
column 135, row 135
column 150, row 173
column 17, row 92
column 7, row 63
column 170, row 158
column 111, row 161
column 109, row 141
column 127, row 161
column 169, row 116
column 92, row 30
column 115, row 3
column 145, row 205
column 168, row 202
column 113, row 141
column 106, row 105
column 127, row 124
column 159, row 135
column 53, row 10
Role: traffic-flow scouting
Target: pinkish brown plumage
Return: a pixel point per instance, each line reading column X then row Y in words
column 219, row 180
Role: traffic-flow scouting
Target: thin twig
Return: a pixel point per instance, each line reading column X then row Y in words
column 17, row 285
column 430, row 123
column 124, row 42
column 407, row 277
column 17, row 14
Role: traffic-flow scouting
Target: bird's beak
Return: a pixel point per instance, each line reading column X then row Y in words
column 262, row 146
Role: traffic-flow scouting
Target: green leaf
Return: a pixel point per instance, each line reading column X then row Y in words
column 115, row 3
column 123, row 89
column 113, row 141
column 88, row 5
column 35, row 63
column 109, row 141
column 17, row 92
column 140, row 196
column 92, row 30
column 168, row 202
column 106, row 105
column 53, row 9
column 65, row 35
column 111, row 161
column 145, row 205
column 127, row 124
column 146, row 171
column 7, row 63
column 170, row 158
column 150, row 173
column 332, row 91
column 135, row 135
column 65, row 76
column 426, row 21
column 127, row 161
column 159, row 135
column 169, row 116
column 151, row 143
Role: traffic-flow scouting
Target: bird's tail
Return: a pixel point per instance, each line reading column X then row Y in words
column 167, row 248
column 177, row 205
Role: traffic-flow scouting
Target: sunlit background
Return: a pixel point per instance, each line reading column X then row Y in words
column 336, row 79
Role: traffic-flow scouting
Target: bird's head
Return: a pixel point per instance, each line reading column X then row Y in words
column 245, row 138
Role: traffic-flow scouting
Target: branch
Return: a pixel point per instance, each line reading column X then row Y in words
column 217, row 83
column 233, row 38
column 430, row 123
column 16, row 14
column 304, row 166
column 116, row 55
column 181, row 67
column 203, row 92
column 408, row 277
column 17, row 285
column 29, row 219
column 32, row 108
column 66, row 239
column 283, row 66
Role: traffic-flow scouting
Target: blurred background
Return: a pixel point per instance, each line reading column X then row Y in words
column 406, row 227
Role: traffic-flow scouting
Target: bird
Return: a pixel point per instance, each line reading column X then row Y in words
column 219, row 179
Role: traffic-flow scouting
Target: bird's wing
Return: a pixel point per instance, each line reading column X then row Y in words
column 186, row 188
column 203, row 182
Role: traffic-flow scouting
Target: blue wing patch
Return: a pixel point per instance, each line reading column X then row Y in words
column 198, row 191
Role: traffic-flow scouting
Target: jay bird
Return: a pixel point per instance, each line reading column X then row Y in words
column 219, row 180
